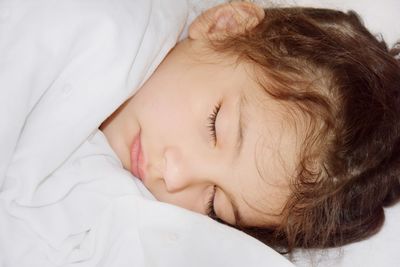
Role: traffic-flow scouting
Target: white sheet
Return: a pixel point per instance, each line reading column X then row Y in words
column 65, row 199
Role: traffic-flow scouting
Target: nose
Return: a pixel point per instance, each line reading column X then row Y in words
column 177, row 172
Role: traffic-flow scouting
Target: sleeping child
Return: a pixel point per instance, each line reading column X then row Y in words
column 281, row 122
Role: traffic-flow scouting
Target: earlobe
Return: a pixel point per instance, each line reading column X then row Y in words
column 230, row 18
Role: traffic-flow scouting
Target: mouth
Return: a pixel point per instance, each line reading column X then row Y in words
column 137, row 157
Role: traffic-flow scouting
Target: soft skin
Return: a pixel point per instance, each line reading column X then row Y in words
column 253, row 157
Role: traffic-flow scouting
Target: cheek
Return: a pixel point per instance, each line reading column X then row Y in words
column 157, row 104
column 166, row 116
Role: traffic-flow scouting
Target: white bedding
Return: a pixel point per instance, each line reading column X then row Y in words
column 65, row 199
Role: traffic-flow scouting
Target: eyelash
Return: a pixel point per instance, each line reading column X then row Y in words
column 212, row 118
column 210, row 206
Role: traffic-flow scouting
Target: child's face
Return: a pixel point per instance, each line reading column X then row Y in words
column 252, row 157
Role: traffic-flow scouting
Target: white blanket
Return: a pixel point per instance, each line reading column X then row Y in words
column 65, row 200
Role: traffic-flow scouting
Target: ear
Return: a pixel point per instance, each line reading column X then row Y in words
column 230, row 18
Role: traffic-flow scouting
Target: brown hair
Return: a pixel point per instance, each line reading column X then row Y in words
column 346, row 84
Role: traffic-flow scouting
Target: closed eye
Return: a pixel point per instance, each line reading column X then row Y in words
column 211, row 125
column 210, row 207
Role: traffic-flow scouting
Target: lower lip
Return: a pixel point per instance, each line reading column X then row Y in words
column 137, row 158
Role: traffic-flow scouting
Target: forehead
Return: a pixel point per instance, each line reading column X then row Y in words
column 268, row 162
